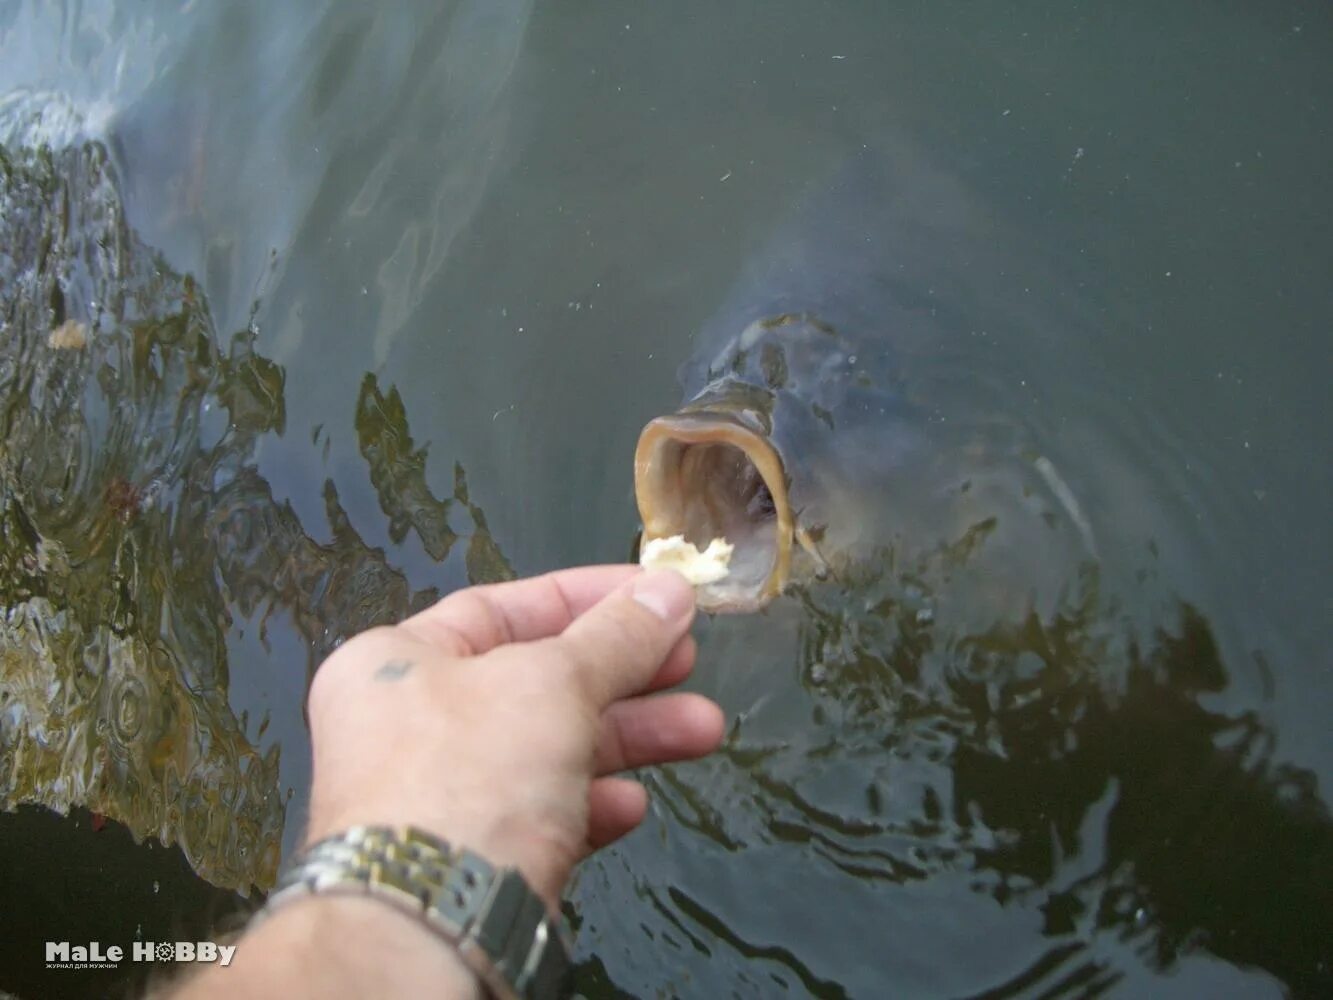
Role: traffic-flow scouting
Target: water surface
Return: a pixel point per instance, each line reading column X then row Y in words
column 408, row 282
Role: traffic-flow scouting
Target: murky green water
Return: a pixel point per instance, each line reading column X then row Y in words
column 376, row 302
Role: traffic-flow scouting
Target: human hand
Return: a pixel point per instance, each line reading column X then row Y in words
column 498, row 718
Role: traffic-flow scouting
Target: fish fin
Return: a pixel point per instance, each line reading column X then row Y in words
column 1065, row 495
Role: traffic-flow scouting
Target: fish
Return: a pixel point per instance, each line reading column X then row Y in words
column 802, row 440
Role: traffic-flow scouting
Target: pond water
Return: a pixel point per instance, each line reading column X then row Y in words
column 311, row 316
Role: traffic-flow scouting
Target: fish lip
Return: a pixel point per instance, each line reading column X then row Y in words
column 660, row 494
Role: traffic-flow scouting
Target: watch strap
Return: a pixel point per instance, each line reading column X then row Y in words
column 500, row 927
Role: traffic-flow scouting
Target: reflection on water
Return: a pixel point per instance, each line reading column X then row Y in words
column 1060, row 767
column 134, row 527
column 398, row 472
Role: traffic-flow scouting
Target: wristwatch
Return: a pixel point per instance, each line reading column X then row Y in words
column 502, row 930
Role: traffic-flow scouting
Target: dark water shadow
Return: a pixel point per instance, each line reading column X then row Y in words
column 1065, row 767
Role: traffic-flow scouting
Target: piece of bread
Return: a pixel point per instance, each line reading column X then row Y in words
column 684, row 557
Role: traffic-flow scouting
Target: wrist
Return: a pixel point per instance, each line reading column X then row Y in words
column 385, row 946
column 544, row 863
column 500, row 929
column 340, row 946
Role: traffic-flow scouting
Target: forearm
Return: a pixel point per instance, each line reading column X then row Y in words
column 337, row 946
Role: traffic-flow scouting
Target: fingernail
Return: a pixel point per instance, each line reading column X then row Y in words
column 665, row 593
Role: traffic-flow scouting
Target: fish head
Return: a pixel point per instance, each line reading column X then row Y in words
column 765, row 455
column 710, row 470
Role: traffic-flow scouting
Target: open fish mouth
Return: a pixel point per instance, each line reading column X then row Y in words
column 706, row 475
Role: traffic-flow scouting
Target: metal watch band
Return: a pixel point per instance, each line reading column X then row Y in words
column 500, row 927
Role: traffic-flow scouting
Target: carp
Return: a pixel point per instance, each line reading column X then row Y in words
column 802, row 441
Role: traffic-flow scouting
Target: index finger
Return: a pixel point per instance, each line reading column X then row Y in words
column 475, row 620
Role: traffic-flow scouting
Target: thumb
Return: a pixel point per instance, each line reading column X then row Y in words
column 617, row 646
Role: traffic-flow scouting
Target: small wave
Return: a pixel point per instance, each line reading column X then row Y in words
column 35, row 118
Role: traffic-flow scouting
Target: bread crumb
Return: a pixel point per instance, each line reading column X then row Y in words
column 70, row 335
column 685, row 558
